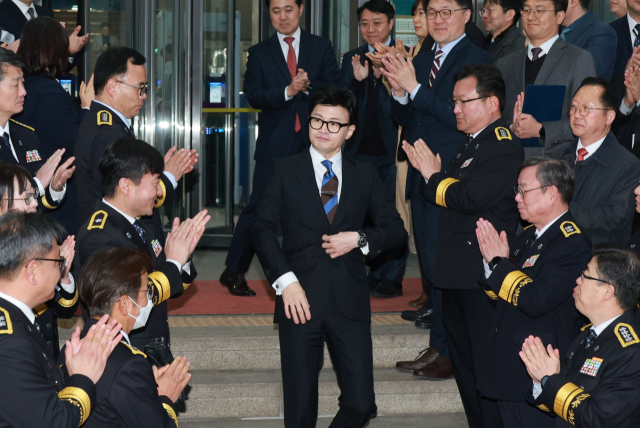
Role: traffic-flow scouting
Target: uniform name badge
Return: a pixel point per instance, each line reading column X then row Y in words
column 530, row 261
column 591, row 366
column 33, row 156
column 466, row 163
column 157, row 248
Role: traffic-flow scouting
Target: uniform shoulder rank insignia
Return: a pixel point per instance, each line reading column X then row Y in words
column 466, row 163
column 591, row 366
column 530, row 261
column 157, row 248
column 23, row 125
column 626, row 335
column 135, row 351
column 569, row 228
column 586, row 327
column 503, row 133
column 98, row 219
column 33, row 156
column 5, row 322
column 105, row 118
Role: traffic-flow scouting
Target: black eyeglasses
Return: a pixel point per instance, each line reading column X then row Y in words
column 518, row 190
column 29, row 197
column 375, row 24
column 595, row 279
column 444, row 13
column 62, row 263
column 143, row 89
column 333, row 127
column 453, row 102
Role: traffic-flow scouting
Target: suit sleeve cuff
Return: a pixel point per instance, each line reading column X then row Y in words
column 415, row 91
column 57, row 196
column 171, row 178
column 624, row 109
column 537, row 390
column 284, row 281
column 286, row 97
column 365, row 250
column 177, row 263
column 487, row 271
column 69, row 288
column 402, row 100
column 81, row 392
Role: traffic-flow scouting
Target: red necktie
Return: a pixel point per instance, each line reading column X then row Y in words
column 292, row 64
column 581, row 154
column 435, row 68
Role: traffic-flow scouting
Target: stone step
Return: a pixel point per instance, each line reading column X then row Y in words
column 258, row 394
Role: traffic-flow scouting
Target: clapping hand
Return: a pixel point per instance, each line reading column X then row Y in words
column 491, row 243
column 63, row 174
column 401, row 72
column 46, row 171
column 180, row 162
column 540, row 362
column 422, row 158
column 360, row 71
column 87, row 93
column 172, row 378
column 67, row 250
column 184, row 237
column 632, row 84
column 300, row 83
column 524, row 125
column 76, row 43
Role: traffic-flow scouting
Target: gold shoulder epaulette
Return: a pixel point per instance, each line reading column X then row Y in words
column 105, row 118
column 586, row 327
column 98, row 220
column 23, row 125
column 626, row 334
column 5, row 322
column 527, row 227
column 503, row 133
column 133, row 350
column 569, row 228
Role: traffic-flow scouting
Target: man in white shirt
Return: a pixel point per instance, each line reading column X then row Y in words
column 598, row 383
column 605, row 172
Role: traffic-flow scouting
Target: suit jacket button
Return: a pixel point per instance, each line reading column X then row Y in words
column 48, row 325
column 468, row 242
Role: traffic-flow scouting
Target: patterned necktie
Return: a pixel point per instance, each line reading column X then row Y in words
column 5, row 138
column 636, row 31
column 564, row 32
column 31, row 13
column 589, row 339
column 535, row 52
column 436, row 67
column 292, row 65
column 138, row 227
column 131, row 131
column 329, row 191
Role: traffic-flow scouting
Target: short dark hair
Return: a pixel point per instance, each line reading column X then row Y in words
column 105, row 24
column 463, row 4
column 507, row 5
column 268, row 2
column 9, row 58
column 24, row 237
column 44, row 47
column 129, row 158
column 489, row 80
column 110, row 274
column 552, row 172
column 378, row 6
column 8, row 176
column 607, row 97
column 560, row 5
column 335, row 96
column 114, row 62
column 620, row 267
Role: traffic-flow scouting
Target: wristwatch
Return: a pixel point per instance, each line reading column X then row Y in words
column 542, row 133
column 544, row 380
column 492, row 264
column 362, row 239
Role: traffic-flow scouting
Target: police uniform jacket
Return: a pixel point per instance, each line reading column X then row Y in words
column 100, row 127
column 36, row 393
column 634, row 242
column 63, row 305
column 127, row 393
column 534, row 296
column 107, row 228
column 598, row 387
column 477, row 182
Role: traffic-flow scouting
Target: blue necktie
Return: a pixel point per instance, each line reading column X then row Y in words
column 31, row 13
column 5, row 137
column 590, row 338
column 329, row 191
column 636, row 30
column 140, row 230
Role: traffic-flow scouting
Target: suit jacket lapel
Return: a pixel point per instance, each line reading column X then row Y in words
column 349, row 180
column 554, row 55
column 305, row 172
column 16, row 14
column 278, row 57
column 123, row 224
column 18, row 146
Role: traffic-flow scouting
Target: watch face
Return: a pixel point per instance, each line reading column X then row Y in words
column 362, row 241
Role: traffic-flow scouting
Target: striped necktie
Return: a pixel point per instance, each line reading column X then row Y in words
column 329, row 191
column 636, row 31
column 436, row 67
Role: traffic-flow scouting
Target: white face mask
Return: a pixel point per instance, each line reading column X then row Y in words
column 141, row 319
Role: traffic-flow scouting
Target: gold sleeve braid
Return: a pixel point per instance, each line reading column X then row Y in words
column 171, row 413
column 568, row 398
column 161, row 284
column 510, row 290
column 68, row 303
column 441, row 191
column 161, row 199
column 79, row 398
column 46, row 204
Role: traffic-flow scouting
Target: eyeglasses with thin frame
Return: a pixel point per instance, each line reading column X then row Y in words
column 481, row 12
column 518, row 190
column 143, row 89
column 537, row 13
column 453, row 102
column 333, row 127
column 444, row 13
column 150, row 292
column 62, row 263
column 29, row 197
column 375, row 24
column 583, row 110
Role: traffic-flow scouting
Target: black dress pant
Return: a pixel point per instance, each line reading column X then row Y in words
column 467, row 316
column 520, row 414
column 302, row 355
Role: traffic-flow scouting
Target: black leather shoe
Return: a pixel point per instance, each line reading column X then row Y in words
column 424, row 322
column 236, row 284
column 387, row 289
column 424, row 312
column 373, row 283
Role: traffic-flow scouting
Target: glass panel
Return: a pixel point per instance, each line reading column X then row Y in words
column 107, row 25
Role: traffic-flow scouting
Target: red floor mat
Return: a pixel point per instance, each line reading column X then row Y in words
column 211, row 298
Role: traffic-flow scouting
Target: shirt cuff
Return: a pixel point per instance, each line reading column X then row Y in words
column 282, row 282
column 487, row 271
column 171, row 178
column 57, row 196
column 415, row 91
column 69, row 288
column 286, row 97
column 187, row 268
column 365, row 250
column 402, row 100
column 537, row 389
column 624, row 109
column 175, row 262
column 40, row 186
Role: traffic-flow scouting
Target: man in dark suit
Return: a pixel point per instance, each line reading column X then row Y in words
column 605, row 173
column 583, row 29
column 598, row 383
column 626, row 126
column 500, row 19
column 531, row 284
column 547, row 60
column 422, row 104
column 376, row 136
column 320, row 200
column 628, row 31
column 283, row 73
column 130, row 171
column 477, row 183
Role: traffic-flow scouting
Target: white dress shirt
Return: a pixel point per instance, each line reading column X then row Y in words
column 285, row 50
column 591, row 149
column 445, row 51
column 24, row 8
column 26, row 310
column 546, row 47
column 319, row 171
column 55, row 195
column 632, row 25
column 388, row 43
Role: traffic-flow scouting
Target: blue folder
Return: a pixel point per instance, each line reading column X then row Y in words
column 544, row 103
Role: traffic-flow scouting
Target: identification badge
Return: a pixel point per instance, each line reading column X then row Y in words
column 591, row 366
column 157, row 248
column 33, row 156
column 530, row 261
column 466, row 163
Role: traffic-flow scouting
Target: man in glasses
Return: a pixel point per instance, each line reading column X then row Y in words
column 531, row 283
column 547, row 60
column 606, row 173
column 121, row 85
column 500, row 18
column 320, row 200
